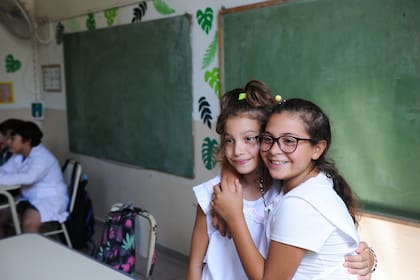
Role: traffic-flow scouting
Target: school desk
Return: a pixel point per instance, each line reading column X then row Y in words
column 4, row 191
column 33, row 256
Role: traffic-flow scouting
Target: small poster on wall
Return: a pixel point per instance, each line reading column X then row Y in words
column 51, row 77
column 37, row 110
column 6, row 92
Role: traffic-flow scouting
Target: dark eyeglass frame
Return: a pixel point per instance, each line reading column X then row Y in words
column 277, row 140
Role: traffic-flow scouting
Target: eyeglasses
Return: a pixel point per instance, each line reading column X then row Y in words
column 287, row 144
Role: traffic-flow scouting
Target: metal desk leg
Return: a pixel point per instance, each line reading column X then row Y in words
column 13, row 211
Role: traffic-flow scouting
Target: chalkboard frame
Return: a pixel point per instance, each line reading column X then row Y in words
column 129, row 94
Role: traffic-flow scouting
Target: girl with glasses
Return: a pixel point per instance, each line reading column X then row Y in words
column 243, row 112
column 311, row 224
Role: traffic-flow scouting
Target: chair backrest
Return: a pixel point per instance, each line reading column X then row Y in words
column 72, row 172
column 146, row 235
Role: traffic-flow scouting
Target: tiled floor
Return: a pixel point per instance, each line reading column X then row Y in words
column 170, row 265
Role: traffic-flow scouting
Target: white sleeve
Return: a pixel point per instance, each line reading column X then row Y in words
column 9, row 166
column 37, row 167
column 203, row 193
column 298, row 223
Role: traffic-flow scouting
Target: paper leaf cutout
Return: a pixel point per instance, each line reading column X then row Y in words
column 204, row 109
column 205, row 19
column 212, row 78
column 162, row 8
column 208, row 152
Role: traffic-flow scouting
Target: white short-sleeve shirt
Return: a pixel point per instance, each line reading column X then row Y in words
column 312, row 216
column 222, row 260
column 41, row 180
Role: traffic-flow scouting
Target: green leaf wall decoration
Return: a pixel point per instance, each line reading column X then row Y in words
column 110, row 15
column 12, row 64
column 205, row 19
column 204, row 108
column 162, row 8
column 212, row 78
column 59, row 33
column 90, row 22
column 208, row 152
column 210, row 53
column 139, row 12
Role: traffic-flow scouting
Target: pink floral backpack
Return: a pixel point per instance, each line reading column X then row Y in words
column 117, row 245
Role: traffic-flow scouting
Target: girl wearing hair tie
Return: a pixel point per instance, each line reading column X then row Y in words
column 311, row 224
column 243, row 114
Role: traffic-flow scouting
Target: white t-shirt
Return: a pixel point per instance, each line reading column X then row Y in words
column 222, row 260
column 312, row 216
column 41, row 180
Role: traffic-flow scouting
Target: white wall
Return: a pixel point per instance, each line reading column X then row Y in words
column 22, row 79
column 397, row 245
column 169, row 198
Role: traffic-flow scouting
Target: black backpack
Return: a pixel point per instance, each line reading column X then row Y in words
column 81, row 222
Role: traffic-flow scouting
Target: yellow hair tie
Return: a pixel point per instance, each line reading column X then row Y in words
column 277, row 98
column 242, row 96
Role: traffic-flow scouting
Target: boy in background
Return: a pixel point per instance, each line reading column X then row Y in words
column 44, row 194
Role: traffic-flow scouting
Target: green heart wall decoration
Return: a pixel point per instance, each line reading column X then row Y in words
column 12, row 64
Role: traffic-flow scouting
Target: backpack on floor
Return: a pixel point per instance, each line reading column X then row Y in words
column 117, row 246
column 81, row 222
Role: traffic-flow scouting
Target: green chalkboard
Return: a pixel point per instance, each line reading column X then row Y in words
column 360, row 61
column 129, row 94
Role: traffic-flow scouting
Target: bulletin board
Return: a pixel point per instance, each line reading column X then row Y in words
column 129, row 94
column 360, row 61
column 6, row 92
column 51, row 77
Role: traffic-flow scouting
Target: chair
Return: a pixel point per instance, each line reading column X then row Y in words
column 72, row 172
column 145, row 243
column 11, row 203
column 145, row 239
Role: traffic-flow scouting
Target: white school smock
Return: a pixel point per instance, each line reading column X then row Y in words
column 41, row 180
column 312, row 216
column 221, row 260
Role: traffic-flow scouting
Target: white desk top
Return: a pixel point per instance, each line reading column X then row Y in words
column 8, row 188
column 33, row 256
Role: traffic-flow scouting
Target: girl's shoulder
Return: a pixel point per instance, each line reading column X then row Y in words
column 203, row 193
column 207, row 185
column 318, row 186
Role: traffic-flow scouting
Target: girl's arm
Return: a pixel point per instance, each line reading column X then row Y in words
column 276, row 267
column 228, row 175
column 362, row 263
column 199, row 244
column 38, row 167
column 229, row 204
column 280, row 267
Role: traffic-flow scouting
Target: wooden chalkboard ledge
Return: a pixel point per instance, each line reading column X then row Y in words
column 401, row 221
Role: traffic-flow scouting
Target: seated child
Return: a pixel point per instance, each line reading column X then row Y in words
column 44, row 194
